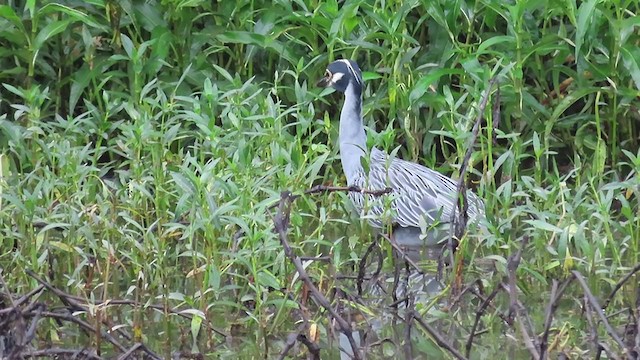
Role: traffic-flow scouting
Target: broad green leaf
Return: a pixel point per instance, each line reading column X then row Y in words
column 193, row 312
column 49, row 31
column 196, row 323
column 536, row 144
column 61, row 245
column 543, row 225
column 369, row 75
column 631, row 61
column 585, row 16
column 190, row 3
column 31, row 6
column 423, row 84
column 266, row 278
column 73, row 13
column 567, row 102
column 7, row 12
column 485, row 45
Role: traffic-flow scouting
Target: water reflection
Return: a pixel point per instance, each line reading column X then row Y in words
column 386, row 294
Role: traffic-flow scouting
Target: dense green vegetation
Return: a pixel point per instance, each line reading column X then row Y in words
column 143, row 144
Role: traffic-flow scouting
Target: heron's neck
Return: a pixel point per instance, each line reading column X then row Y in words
column 353, row 141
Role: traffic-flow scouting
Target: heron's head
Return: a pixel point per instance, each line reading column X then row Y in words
column 340, row 74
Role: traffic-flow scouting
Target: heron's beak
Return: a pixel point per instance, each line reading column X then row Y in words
column 324, row 82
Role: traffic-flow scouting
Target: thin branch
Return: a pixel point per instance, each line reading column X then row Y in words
column 467, row 156
column 320, row 189
column 459, row 219
column 362, row 266
column 619, row 285
column 438, row 338
column 548, row 318
column 62, row 353
column 84, row 325
column 528, row 342
column 408, row 348
column 593, row 331
column 479, row 314
column 130, row 352
column 512, row 266
column 402, row 254
column 281, row 222
column 79, row 304
column 598, row 310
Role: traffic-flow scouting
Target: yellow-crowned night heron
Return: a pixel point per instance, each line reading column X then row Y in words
column 419, row 192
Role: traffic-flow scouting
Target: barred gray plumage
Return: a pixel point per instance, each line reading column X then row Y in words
column 420, row 195
column 418, row 192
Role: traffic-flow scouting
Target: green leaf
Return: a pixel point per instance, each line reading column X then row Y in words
column 60, row 245
column 485, row 45
column 128, row 46
column 193, row 312
column 542, row 225
column 196, row 323
column 585, row 17
column 567, row 102
column 630, row 58
column 266, row 278
column 31, row 6
column 7, row 12
column 536, row 144
column 14, row 90
column 224, row 73
column 190, row 3
column 423, row 84
column 74, row 14
column 369, row 75
column 52, row 29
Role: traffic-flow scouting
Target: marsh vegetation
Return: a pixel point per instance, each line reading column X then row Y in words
column 144, row 148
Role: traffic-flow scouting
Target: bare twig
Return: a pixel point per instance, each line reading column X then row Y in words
column 458, row 220
column 556, row 294
column 528, row 342
column 455, row 216
column 479, row 314
column 31, row 333
column 281, row 222
column 548, row 318
column 22, row 299
column 619, row 285
column 19, row 323
column 289, row 344
column 512, row 266
column 467, row 289
column 53, row 353
column 363, row 265
column 319, row 189
column 85, row 326
column 130, row 352
column 598, row 310
column 521, row 317
column 408, row 349
column 313, row 348
column 437, row 337
column 402, row 254
column 593, row 331
column 79, row 304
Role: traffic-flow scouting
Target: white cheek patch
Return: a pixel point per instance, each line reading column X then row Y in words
column 336, row 77
column 351, row 69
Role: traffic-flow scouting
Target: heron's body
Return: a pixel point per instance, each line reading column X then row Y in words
column 421, row 196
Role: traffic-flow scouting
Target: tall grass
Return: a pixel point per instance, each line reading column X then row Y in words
column 143, row 143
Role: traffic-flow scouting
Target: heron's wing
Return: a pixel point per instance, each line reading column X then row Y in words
column 419, row 191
